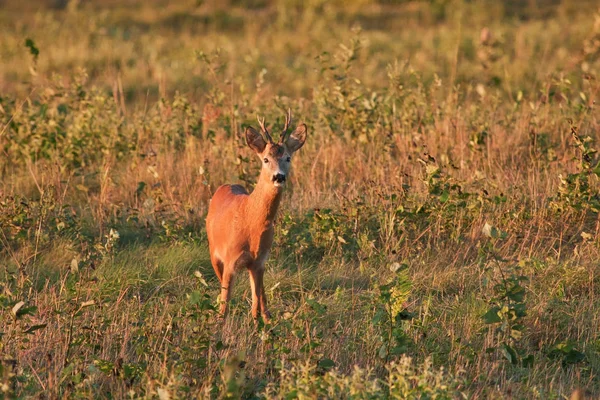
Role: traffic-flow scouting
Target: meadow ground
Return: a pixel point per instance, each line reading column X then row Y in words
column 439, row 236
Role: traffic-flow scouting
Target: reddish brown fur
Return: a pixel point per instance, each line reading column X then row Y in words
column 240, row 225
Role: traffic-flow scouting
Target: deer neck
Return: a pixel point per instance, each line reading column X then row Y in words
column 264, row 202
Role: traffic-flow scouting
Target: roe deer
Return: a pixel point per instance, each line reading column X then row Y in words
column 240, row 225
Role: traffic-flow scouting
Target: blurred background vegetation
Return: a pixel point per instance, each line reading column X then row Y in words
column 150, row 46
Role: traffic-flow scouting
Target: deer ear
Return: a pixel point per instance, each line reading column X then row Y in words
column 296, row 139
column 255, row 140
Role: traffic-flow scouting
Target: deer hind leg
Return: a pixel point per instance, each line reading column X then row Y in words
column 259, row 300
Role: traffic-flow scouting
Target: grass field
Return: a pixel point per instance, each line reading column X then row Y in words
column 439, row 236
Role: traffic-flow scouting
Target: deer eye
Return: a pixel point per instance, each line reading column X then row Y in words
column 266, row 160
column 288, row 159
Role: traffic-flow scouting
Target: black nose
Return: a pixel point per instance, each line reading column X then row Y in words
column 279, row 178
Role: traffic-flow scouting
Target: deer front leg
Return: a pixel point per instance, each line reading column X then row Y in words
column 226, row 287
column 254, row 290
column 259, row 300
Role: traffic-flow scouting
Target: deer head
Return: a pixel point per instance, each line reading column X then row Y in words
column 276, row 157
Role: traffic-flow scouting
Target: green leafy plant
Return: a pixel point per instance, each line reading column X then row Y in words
column 507, row 306
column 578, row 190
column 566, row 352
column 390, row 313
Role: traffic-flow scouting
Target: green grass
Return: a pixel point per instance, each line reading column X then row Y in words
column 438, row 237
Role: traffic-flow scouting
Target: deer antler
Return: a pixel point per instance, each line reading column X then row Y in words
column 264, row 129
column 288, row 121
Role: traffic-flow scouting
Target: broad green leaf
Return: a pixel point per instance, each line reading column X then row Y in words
column 573, row 357
column 34, row 328
column 528, row 361
column 516, row 293
column 444, row 196
column 509, row 353
column 492, row 317
column 326, row 363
